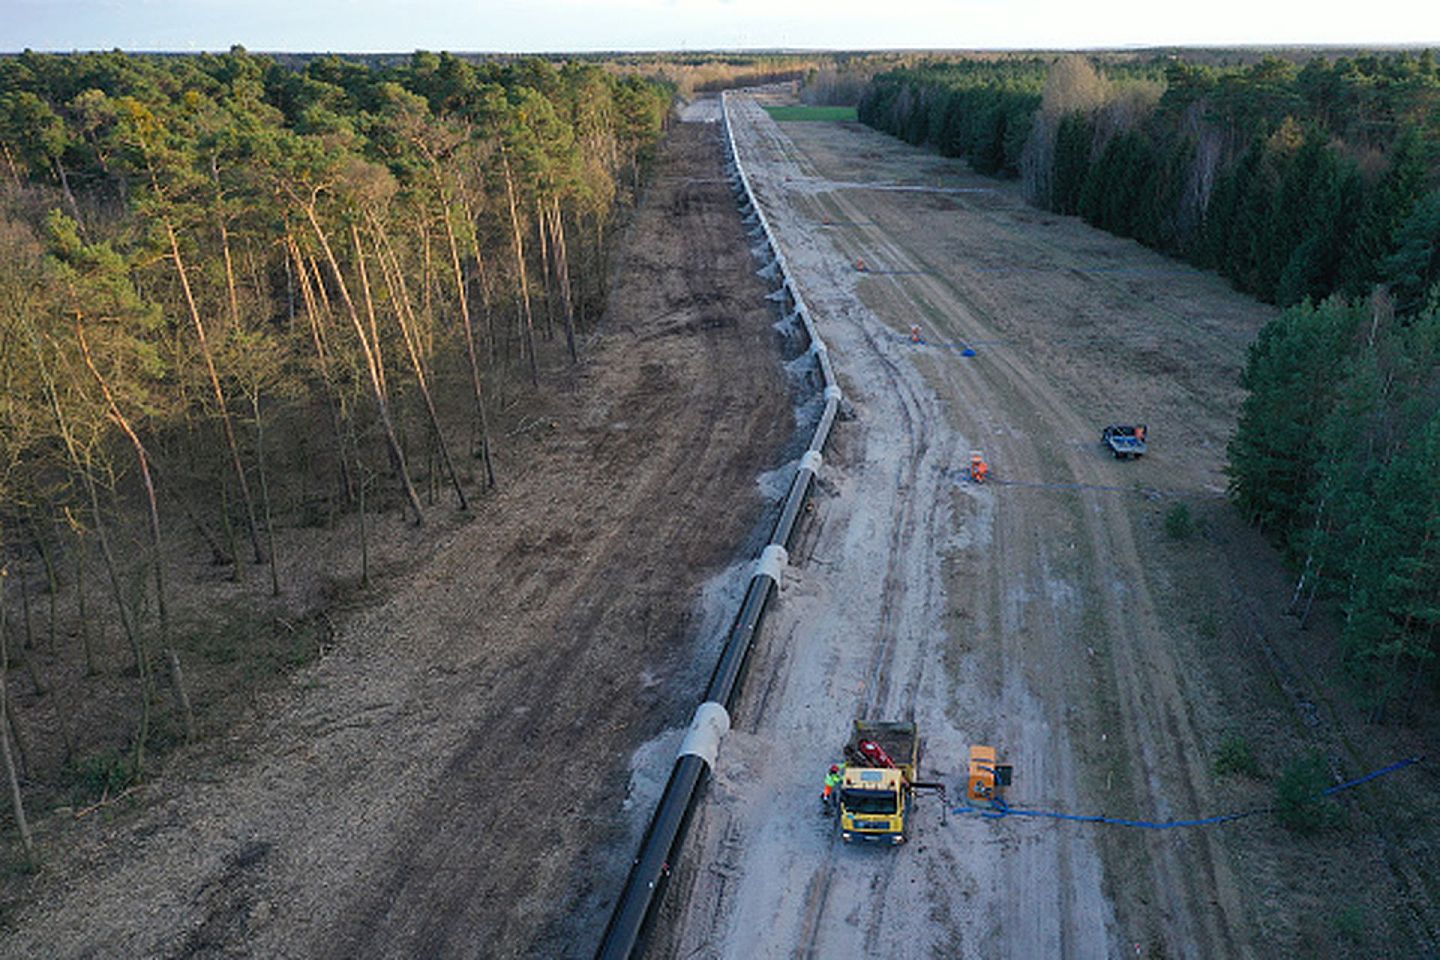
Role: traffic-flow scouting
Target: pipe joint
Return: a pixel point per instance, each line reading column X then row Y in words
column 772, row 562
column 710, row 723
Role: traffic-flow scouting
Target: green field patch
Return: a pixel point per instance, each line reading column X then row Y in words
column 832, row 114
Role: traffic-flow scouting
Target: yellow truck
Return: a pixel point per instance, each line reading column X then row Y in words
column 878, row 786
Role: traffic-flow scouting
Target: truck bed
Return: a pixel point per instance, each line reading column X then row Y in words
column 897, row 738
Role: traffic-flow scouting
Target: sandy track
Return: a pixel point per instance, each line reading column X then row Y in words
column 1021, row 614
column 449, row 781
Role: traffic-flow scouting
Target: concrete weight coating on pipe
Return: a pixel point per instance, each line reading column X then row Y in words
column 710, row 724
column 772, row 562
column 811, row 461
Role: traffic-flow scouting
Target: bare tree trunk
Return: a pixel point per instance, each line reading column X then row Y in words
column 484, row 288
column 481, row 418
column 312, row 313
column 228, row 526
column 10, row 162
column 219, row 555
column 177, row 679
column 427, row 272
column 225, row 244
column 364, row 518
column 227, row 425
column 127, row 619
column 230, row 288
column 370, row 312
column 546, row 272
column 257, row 287
column 52, row 584
column 84, row 466
column 264, row 489
column 81, row 609
column 397, row 455
column 52, row 589
column 69, row 195
column 10, row 721
column 29, row 644
column 11, row 776
column 400, row 297
column 562, row 265
column 602, row 281
column 520, row 266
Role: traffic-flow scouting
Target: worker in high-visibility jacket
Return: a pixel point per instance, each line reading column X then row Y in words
column 832, row 783
column 979, row 469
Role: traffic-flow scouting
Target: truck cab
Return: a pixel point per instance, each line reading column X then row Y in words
column 872, row 805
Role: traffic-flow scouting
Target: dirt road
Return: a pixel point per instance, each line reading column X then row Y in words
column 449, row 780
column 1027, row 614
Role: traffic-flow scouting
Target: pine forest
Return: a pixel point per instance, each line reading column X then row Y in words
column 239, row 297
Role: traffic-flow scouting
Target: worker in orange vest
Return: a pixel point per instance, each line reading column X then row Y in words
column 979, row 469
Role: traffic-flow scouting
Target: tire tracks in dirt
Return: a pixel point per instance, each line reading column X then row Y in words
column 915, row 511
column 1153, row 708
column 1057, row 648
column 899, row 509
column 1152, row 705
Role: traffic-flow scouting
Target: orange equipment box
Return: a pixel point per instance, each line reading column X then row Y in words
column 980, row 784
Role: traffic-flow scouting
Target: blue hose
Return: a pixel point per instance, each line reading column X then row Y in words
column 1000, row 809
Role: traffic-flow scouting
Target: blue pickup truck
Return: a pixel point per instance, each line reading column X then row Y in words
column 1126, row 441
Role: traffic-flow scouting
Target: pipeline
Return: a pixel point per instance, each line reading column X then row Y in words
column 634, row 915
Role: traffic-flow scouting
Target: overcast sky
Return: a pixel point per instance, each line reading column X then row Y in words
column 580, row 25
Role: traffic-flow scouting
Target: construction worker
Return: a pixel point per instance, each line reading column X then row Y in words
column 979, row 469
column 915, row 334
column 832, row 784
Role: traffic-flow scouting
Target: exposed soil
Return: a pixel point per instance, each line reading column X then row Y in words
column 465, row 770
column 1047, row 613
column 449, row 779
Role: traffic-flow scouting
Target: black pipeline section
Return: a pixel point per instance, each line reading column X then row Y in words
column 640, row 900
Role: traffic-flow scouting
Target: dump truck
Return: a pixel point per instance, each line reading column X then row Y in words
column 1126, row 441
column 881, row 761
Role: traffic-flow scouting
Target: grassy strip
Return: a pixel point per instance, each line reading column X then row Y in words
column 832, row 114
